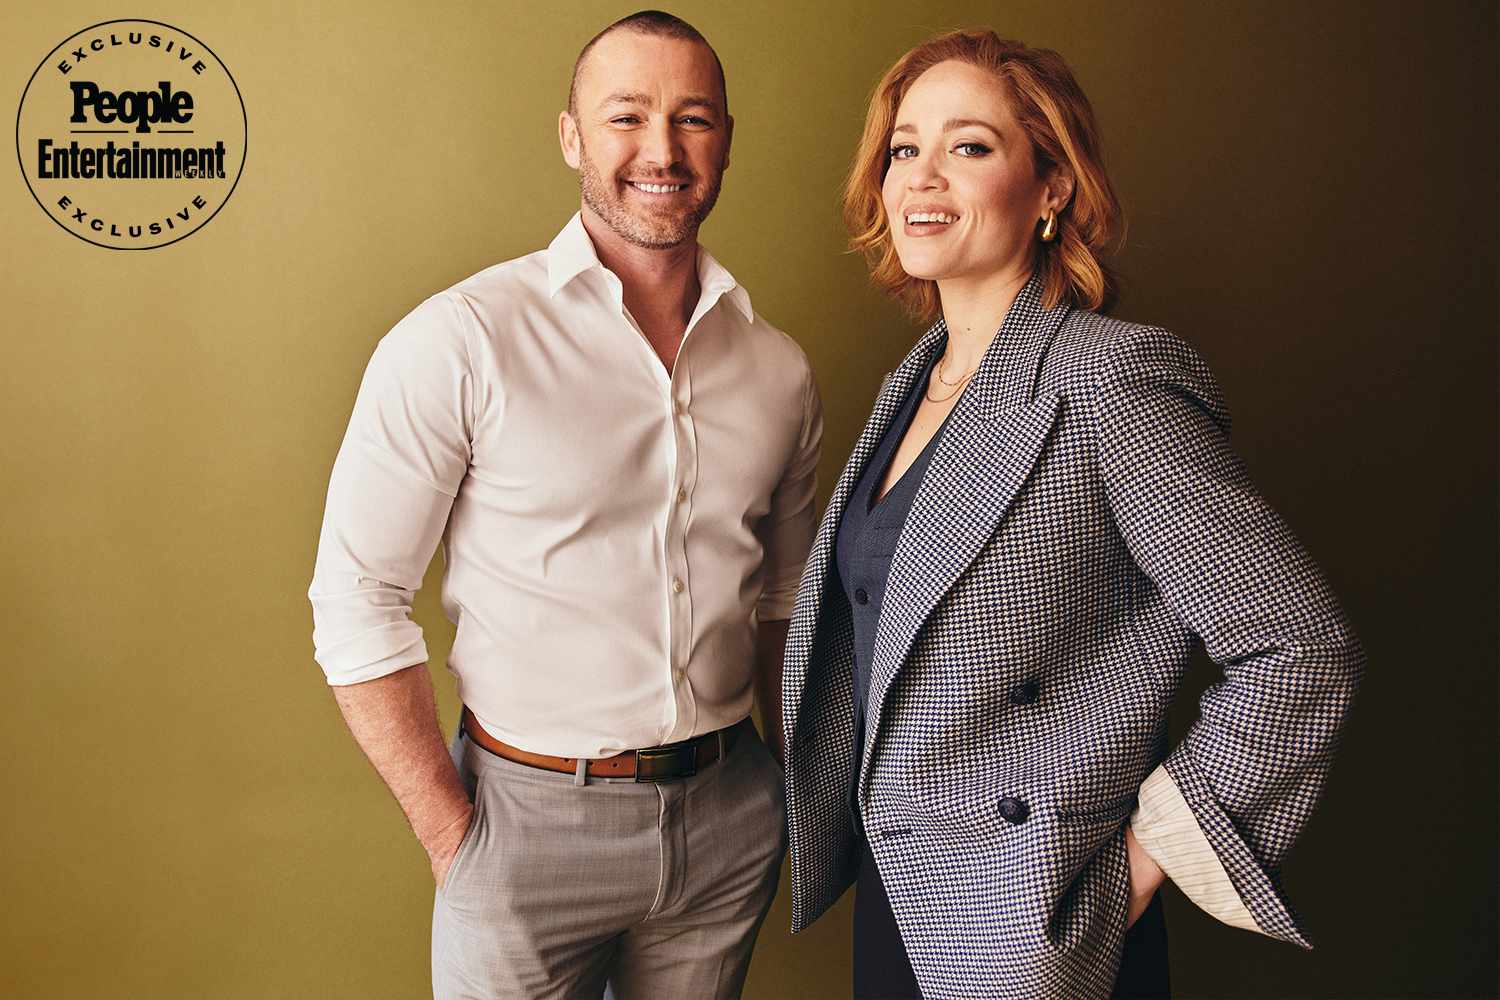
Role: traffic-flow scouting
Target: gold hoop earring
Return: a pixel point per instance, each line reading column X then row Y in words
column 1049, row 231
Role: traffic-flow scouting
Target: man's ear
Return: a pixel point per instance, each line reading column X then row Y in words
column 728, row 139
column 567, row 138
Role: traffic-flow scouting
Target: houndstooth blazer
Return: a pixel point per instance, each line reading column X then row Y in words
column 1083, row 523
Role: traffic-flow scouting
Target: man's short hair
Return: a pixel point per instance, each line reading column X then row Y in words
column 648, row 22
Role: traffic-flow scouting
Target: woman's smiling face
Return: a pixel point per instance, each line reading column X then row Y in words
column 961, row 191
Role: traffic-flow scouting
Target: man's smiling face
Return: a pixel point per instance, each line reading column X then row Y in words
column 649, row 137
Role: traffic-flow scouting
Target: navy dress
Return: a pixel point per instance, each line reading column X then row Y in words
column 866, row 540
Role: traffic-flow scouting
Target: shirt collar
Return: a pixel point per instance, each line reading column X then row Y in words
column 715, row 280
column 571, row 253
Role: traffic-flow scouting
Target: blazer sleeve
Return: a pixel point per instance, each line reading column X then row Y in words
column 1253, row 764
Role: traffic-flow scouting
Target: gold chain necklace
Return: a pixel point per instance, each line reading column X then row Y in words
column 957, row 387
column 943, row 399
column 962, row 379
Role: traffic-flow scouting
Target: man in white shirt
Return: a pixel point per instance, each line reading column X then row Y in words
column 618, row 457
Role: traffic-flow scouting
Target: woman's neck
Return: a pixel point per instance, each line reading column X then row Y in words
column 974, row 308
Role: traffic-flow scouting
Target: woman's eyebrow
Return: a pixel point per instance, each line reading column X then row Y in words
column 957, row 123
column 950, row 125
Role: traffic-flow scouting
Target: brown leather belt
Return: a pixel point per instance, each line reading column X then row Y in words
column 663, row 763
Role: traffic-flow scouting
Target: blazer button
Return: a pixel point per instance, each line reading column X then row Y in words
column 1026, row 693
column 861, row 596
column 1014, row 810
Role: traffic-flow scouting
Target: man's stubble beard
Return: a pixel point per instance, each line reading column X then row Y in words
column 652, row 233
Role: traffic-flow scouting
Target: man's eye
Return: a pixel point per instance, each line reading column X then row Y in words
column 972, row 148
column 697, row 121
column 624, row 120
column 903, row 152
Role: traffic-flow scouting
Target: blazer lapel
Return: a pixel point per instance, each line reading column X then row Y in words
column 993, row 439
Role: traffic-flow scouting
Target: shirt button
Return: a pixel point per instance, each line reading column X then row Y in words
column 676, row 585
column 677, row 408
column 681, row 494
column 861, row 595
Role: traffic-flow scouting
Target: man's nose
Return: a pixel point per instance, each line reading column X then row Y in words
column 659, row 145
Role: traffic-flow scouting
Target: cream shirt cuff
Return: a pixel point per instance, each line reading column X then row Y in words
column 1164, row 825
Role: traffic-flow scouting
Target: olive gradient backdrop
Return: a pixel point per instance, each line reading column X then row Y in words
column 1313, row 196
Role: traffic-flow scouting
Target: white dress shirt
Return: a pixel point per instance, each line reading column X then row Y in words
column 611, row 532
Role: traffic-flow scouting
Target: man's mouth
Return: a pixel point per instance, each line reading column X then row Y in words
column 657, row 188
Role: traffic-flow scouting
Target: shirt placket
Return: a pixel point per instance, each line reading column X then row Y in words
column 679, row 580
column 682, row 711
column 681, row 715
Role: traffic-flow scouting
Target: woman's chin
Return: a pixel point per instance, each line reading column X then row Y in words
column 925, row 270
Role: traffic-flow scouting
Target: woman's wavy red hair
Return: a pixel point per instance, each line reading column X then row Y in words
column 1058, row 119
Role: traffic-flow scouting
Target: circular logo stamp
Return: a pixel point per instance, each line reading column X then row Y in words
column 131, row 134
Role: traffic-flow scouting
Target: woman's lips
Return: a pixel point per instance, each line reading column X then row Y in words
column 927, row 220
column 927, row 228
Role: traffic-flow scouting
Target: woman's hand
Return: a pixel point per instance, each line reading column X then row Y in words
column 1146, row 877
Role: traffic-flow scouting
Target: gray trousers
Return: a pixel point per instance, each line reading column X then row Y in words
column 656, row 891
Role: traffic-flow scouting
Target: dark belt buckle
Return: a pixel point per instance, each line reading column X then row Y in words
column 664, row 763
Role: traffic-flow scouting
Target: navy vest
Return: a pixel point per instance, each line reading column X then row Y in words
column 866, row 541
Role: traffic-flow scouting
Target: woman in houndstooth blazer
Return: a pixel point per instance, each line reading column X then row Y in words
column 1041, row 518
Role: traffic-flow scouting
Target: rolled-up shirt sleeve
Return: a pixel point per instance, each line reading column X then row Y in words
column 1164, row 826
column 787, row 532
column 398, row 470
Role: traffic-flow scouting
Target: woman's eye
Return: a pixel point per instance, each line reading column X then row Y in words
column 903, row 152
column 972, row 148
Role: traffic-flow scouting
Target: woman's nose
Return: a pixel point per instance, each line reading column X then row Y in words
column 925, row 175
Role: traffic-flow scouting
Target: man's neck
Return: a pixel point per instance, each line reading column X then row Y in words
column 660, row 287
